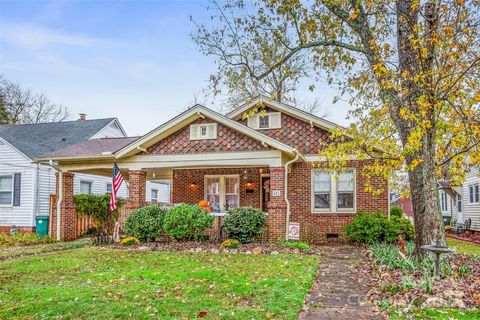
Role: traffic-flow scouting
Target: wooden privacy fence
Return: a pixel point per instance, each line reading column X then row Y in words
column 84, row 223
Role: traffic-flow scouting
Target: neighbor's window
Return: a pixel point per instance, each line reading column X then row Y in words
column 222, row 192
column 154, row 195
column 322, row 187
column 85, row 187
column 6, row 190
column 443, row 201
column 345, row 190
column 459, row 203
column 109, row 188
column 264, row 122
column 473, row 191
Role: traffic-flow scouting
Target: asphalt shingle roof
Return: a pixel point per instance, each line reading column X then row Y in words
column 93, row 147
column 38, row 139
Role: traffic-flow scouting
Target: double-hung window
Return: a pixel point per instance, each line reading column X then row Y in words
column 154, row 196
column 222, row 192
column 474, row 193
column 333, row 192
column 443, row 201
column 85, row 187
column 346, row 191
column 459, row 203
column 6, row 190
column 322, row 187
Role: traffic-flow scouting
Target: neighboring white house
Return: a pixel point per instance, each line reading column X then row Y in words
column 26, row 186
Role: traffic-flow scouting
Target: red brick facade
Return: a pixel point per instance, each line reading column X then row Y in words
column 68, row 218
column 189, row 187
column 228, row 140
column 137, row 180
column 314, row 226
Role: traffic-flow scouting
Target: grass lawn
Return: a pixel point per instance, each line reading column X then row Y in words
column 9, row 252
column 102, row 283
column 464, row 247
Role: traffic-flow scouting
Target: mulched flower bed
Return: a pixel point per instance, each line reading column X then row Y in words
column 459, row 290
column 475, row 239
column 198, row 247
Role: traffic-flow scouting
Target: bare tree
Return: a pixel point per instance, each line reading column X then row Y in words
column 239, row 53
column 24, row 106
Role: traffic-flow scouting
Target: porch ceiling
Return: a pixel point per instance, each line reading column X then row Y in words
column 160, row 166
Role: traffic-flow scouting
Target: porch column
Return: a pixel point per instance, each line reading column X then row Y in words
column 277, row 207
column 68, row 218
column 137, row 181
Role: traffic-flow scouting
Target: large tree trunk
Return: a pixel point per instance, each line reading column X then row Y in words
column 424, row 194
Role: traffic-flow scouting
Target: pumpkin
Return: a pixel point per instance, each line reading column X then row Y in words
column 203, row 204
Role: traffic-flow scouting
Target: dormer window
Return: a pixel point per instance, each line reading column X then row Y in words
column 270, row 120
column 204, row 131
column 264, row 122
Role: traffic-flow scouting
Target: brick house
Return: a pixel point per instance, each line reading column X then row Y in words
column 264, row 161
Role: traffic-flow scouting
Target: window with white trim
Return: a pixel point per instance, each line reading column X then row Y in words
column 154, row 195
column 108, row 187
column 345, row 190
column 459, row 203
column 333, row 192
column 85, row 187
column 6, row 190
column 222, row 192
column 262, row 120
column 443, row 201
column 204, row 131
column 473, row 193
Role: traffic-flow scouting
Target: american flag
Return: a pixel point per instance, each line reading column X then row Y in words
column 117, row 180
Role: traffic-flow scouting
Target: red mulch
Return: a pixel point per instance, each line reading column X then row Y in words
column 463, row 237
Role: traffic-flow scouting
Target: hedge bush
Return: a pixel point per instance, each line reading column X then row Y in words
column 396, row 211
column 372, row 227
column 145, row 223
column 244, row 223
column 186, row 222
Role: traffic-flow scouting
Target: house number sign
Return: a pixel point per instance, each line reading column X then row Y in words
column 276, row 193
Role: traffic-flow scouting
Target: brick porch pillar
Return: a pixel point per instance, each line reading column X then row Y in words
column 68, row 213
column 137, row 182
column 277, row 207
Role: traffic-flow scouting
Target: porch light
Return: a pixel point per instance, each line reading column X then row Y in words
column 249, row 187
column 193, row 185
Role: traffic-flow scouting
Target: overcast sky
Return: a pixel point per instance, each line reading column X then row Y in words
column 133, row 60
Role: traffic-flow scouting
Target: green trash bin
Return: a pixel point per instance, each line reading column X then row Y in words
column 41, row 225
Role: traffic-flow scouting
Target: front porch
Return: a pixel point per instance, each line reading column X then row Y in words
column 259, row 184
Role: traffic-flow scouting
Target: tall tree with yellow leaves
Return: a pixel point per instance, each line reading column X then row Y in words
column 410, row 68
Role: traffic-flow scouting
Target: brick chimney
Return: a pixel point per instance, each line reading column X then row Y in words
column 83, row 116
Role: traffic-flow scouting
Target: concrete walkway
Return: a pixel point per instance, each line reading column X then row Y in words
column 338, row 293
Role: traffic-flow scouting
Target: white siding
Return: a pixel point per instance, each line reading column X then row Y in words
column 111, row 131
column 470, row 210
column 163, row 189
column 11, row 161
column 99, row 184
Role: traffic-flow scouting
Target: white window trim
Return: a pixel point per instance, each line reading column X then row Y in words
column 443, row 202
column 198, row 129
column 12, row 190
column 151, row 195
column 256, row 121
column 472, row 186
column 222, row 187
column 85, row 181
column 106, row 187
column 459, row 200
column 333, row 194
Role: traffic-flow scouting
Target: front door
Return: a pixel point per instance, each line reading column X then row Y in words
column 265, row 192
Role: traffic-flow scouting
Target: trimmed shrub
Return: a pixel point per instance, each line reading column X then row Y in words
column 230, row 244
column 244, row 223
column 145, row 223
column 186, row 222
column 372, row 227
column 396, row 211
column 129, row 241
